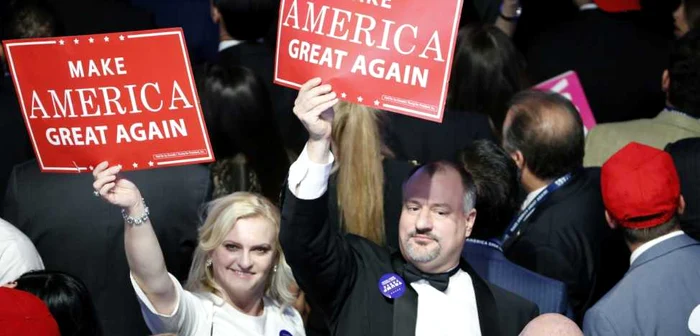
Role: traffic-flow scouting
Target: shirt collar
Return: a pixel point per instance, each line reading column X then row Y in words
column 531, row 197
column 646, row 246
column 588, row 6
column 228, row 44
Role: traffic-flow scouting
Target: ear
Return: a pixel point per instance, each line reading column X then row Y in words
column 611, row 221
column 681, row 206
column 215, row 15
column 519, row 159
column 469, row 220
column 665, row 81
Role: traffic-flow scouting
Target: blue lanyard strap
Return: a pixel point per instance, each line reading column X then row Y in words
column 485, row 243
column 530, row 209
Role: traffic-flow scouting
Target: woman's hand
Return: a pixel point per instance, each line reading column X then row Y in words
column 117, row 191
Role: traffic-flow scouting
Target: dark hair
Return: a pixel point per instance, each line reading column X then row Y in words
column 67, row 298
column 684, row 66
column 644, row 235
column 691, row 10
column 29, row 19
column 247, row 20
column 548, row 130
column 496, row 178
column 239, row 118
column 438, row 166
column 486, row 72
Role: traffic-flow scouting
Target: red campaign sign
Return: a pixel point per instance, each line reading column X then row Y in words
column 390, row 55
column 127, row 98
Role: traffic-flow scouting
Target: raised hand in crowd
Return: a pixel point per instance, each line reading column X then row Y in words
column 143, row 252
column 314, row 107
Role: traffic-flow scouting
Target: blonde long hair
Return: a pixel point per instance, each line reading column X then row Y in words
column 222, row 215
column 360, row 175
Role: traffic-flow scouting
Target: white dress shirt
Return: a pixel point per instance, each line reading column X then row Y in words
column 453, row 312
column 225, row 44
column 646, row 246
column 531, row 197
column 588, row 6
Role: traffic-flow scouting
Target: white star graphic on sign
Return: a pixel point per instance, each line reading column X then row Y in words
column 136, row 165
column 106, row 38
column 61, row 42
column 121, row 37
column 376, row 102
column 92, row 40
column 344, row 95
column 360, row 99
column 150, row 163
column 76, row 41
column 91, row 167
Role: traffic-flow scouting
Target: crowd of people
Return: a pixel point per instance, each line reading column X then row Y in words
column 324, row 217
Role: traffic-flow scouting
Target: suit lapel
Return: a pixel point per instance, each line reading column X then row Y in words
column 406, row 306
column 485, row 302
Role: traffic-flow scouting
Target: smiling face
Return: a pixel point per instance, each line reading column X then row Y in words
column 433, row 222
column 244, row 260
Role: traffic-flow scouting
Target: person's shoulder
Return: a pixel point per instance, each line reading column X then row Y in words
column 513, row 307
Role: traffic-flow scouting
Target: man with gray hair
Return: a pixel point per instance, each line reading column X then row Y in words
column 426, row 288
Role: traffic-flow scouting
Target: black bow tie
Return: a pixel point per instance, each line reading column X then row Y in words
column 439, row 281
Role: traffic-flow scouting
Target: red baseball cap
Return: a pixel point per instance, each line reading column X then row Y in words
column 615, row 6
column 22, row 313
column 640, row 186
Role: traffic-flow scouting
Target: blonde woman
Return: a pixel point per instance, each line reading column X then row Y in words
column 234, row 286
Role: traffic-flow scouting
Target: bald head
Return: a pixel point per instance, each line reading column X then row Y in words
column 551, row 325
column 547, row 130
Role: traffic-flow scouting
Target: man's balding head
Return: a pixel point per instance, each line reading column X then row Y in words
column 547, row 130
column 551, row 325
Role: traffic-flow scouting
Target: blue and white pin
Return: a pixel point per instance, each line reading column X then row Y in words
column 392, row 286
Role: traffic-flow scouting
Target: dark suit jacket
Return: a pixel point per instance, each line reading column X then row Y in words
column 13, row 134
column 686, row 156
column 426, row 141
column 82, row 235
column 565, row 238
column 606, row 53
column 260, row 58
column 80, row 17
column 339, row 274
column 549, row 294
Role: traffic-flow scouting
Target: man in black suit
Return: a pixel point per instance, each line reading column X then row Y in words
column 619, row 64
column 686, row 157
column 561, row 228
column 243, row 26
column 361, row 288
column 27, row 19
column 75, row 232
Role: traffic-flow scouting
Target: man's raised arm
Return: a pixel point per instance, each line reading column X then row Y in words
column 319, row 256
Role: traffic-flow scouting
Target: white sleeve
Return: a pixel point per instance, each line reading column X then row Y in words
column 189, row 315
column 17, row 256
column 308, row 180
